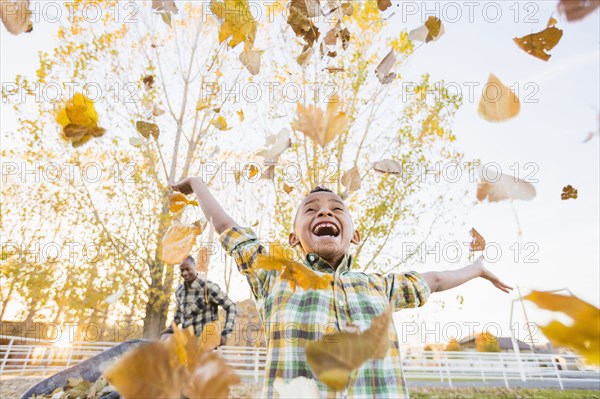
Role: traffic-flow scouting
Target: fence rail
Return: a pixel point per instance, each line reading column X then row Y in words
column 26, row 356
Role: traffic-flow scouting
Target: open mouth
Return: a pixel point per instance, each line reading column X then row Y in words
column 324, row 229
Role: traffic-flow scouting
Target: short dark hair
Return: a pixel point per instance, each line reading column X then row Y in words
column 319, row 189
column 191, row 258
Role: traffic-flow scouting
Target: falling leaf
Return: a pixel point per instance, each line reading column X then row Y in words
column 148, row 81
column 432, row 30
column 296, row 273
column 146, row 372
column 115, row 297
column 388, row 166
column 351, row 179
column 212, row 378
column 178, row 241
column 583, row 335
column 305, row 56
column 241, row 115
column 251, row 60
column 384, row 4
column 252, row 171
column 478, row 242
column 460, row 299
column 165, row 6
column 334, row 357
column 147, row 129
column 220, row 123
column 178, row 201
column 302, row 25
column 287, row 189
column 279, row 143
column 575, row 10
column 16, row 16
column 538, row 43
column 136, row 141
column 498, row 103
column 348, row 9
column 321, row 127
column 506, row 188
column 237, row 22
column 202, row 105
column 79, row 120
column 298, row 388
column 383, row 69
column 568, row 192
column 166, row 17
column 269, row 173
column 157, row 111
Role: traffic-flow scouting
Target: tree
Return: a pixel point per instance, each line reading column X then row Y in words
column 148, row 66
column 453, row 346
column 486, row 342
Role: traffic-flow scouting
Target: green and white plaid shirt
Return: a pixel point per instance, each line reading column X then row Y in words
column 293, row 318
column 198, row 304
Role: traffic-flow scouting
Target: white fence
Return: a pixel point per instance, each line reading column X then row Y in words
column 36, row 358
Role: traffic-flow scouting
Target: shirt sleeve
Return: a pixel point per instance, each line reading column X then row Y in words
column 407, row 290
column 244, row 246
column 218, row 297
column 178, row 314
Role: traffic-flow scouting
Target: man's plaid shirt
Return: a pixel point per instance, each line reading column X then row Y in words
column 198, row 304
column 292, row 318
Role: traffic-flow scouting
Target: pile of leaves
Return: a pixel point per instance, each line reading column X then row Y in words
column 80, row 388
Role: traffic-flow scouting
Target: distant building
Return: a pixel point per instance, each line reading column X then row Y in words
column 506, row 345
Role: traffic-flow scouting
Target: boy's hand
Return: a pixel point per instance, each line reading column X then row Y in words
column 488, row 275
column 184, row 186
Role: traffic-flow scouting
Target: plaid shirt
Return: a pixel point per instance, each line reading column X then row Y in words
column 292, row 318
column 198, row 304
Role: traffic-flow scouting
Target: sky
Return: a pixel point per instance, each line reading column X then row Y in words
column 559, row 107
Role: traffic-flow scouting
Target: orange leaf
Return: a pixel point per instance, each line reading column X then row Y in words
column 478, row 242
column 498, row 103
column 506, row 188
column 538, row 43
column 178, row 242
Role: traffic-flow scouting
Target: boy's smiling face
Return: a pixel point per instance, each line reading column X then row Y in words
column 323, row 226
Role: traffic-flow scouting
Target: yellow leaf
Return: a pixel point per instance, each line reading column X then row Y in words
column 297, row 273
column 178, row 242
column 498, row 103
column 79, row 120
column 334, row 357
column 238, row 25
column 319, row 126
column 241, row 115
column 178, row 201
column 287, row 189
column 538, row 43
column 584, row 335
column 220, row 123
column 212, row 378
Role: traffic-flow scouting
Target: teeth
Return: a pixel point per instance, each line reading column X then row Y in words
column 324, row 225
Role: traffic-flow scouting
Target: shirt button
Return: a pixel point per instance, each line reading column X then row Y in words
column 311, row 257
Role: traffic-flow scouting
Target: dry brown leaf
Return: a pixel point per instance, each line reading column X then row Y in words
column 310, row 8
column 506, row 188
column 348, row 8
column 304, row 57
column 388, row 166
column 431, row 31
column 178, row 241
column 147, row 129
column 335, row 356
column 321, row 127
column 287, row 189
column 302, row 26
column 297, row 273
column 251, row 60
column 575, row 10
column 16, row 16
column 238, row 23
column 383, row 69
column 148, row 81
column 165, row 6
column 478, row 242
column 583, row 335
column 269, row 173
column 351, row 179
column 568, row 192
column 538, row 43
column 146, row 372
column 212, row 378
column 498, row 103
column 384, row 4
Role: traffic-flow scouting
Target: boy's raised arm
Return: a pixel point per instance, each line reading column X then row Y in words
column 213, row 211
column 445, row 280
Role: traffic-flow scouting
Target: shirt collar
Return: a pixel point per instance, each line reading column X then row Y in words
column 194, row 284
column 316, row 262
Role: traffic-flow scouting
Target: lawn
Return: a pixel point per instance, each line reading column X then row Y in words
column 501, row 393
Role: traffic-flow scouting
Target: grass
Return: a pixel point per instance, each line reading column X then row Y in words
column 501, row 393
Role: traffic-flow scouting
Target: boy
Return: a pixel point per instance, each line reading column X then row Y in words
column 324, row 231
